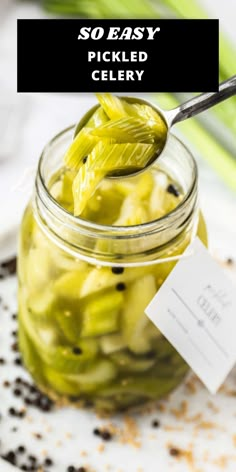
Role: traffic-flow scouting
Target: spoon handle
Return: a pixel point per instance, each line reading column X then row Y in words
column 202, row 102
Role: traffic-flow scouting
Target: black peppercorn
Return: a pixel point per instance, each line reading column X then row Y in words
column 117, row 270
column 120, row 286
column 76, row 350
column 173, row 190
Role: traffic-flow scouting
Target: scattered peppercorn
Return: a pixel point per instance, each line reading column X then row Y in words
column 2, row 360
column 17, row 361
column 85, row 159
column 96, row 431
column 76, row 350
column 155, row 424
column 173, row 451
column 14, row 347
column 71, row 468
column 14, row 316
column 6, row 384
column 12, row 411
column 229, row 261
column 48, row 462
column 120, row 286
column 17, row 392
column 21, row 449
column 24, row 467
column 10, row 457
column 9, row 266
column 105, row 435
column 117, row 270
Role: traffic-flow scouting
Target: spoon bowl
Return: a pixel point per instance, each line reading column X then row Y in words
column 184, row 111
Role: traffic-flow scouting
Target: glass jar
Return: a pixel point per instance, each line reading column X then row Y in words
column 83, row 289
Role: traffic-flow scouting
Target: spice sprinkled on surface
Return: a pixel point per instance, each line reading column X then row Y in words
column 174, row 452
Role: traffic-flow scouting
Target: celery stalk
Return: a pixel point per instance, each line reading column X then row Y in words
column 206, row 144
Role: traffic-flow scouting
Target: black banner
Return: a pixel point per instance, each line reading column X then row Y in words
column 118, row 55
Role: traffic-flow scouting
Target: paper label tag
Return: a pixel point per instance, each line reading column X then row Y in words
column 195, row 309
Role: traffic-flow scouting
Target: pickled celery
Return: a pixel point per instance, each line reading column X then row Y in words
column 104, row 144
column 83, row 329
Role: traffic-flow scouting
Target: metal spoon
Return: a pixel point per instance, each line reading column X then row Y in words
column 184, row 111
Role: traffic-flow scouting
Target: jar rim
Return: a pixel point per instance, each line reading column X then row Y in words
column 121, row 230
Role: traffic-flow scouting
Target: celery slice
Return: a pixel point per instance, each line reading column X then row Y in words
column 127, row 130
column 69, row 323
column 129, row 363
column 113, row 106
column 101, row 315
column 64, row 359
column 98, row 118
column 70, row 283
column 104, row 278
column 152, row 118
column 134, row 320
column 60, row 383
column 133, row 212
column 104, row 158
column 112, row 343
column 81, row 146
column 101, row 373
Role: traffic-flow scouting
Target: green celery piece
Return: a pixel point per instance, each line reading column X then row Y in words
column 111, row 343
column 152, row 118
column 126, row 130
column 193, row 9
column 126, row 362
column 102, row 372
column 69, row 322
column 98, row 118
column 102, row 8
column 220, row 120
column 101, row 315
column 134, row 320
column 133, row 212
column 104, row 158
column 30, row 356
column 60, row 382
column 63, row 359
column 152, row 388
column 40, row 303
column 100, row 279
column 206, row 144
column 80, row 147
column 66, row 195
column 38, row 269
column 130, row 9
column 70, row 283
column 113, row 106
